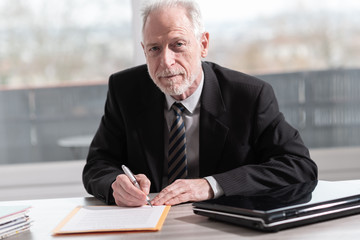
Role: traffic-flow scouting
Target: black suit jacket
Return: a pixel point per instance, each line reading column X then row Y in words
column 245, row 142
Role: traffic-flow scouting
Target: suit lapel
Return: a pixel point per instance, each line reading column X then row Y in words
column 212, row 131
column 150, row 122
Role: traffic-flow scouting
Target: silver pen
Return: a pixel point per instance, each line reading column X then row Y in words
column 132, row 178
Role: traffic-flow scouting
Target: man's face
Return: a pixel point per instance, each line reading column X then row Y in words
column 173, row 53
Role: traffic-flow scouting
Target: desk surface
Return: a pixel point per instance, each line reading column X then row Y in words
column 181, row 223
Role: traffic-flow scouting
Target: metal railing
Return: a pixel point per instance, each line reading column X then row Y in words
column 323, row 105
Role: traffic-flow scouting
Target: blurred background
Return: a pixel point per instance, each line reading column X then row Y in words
column 56, row 56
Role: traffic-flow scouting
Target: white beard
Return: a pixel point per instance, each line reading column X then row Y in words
column 172, row 88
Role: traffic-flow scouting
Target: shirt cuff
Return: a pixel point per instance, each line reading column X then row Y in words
column 218, row 191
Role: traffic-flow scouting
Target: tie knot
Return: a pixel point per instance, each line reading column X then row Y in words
column 178, row 108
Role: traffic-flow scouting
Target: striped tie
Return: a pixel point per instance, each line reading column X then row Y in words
column 177, row 162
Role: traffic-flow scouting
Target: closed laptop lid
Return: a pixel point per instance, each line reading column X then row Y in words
column 294, row 201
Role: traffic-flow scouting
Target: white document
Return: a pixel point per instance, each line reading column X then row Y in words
column 113, row 218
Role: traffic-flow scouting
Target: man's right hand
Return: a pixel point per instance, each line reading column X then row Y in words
column 126, row 194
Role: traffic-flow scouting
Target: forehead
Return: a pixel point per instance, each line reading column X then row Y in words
column 167, row 21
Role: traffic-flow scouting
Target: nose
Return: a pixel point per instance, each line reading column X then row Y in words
column 167, row 57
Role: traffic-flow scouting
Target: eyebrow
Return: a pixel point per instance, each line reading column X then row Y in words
column 171, row 40
column 151, row 45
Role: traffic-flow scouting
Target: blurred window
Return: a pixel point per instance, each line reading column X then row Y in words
column 56, row 56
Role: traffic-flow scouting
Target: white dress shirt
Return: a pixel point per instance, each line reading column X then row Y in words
column 191, row 117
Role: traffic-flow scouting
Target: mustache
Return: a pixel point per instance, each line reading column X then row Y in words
column 170, row 72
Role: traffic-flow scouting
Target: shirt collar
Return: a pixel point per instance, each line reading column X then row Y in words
column 192, row 101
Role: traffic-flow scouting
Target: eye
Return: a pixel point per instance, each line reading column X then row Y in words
column 154, row 49
column 179, row 44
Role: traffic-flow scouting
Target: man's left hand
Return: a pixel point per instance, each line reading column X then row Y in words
column 184, row 190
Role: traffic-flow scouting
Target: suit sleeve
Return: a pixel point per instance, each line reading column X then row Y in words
column 279, row 155
column 107, row 151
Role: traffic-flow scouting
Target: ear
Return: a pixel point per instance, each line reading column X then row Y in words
column 204, row 41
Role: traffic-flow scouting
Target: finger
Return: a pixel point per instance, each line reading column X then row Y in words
column 171, row 191
column 127, row 187
column 121, row 197
column 181, row 198
column 127, row 200
column 126, row 194
column 184, row 190
column 124, row 201
column 144, row 183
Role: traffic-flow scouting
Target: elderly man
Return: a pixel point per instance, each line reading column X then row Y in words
column 188, row 129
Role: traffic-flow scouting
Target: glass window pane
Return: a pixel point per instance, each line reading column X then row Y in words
column 307, row 50
column 55, row 59
column 56, row 56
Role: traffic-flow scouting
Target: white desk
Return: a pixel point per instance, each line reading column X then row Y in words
column 181, row 223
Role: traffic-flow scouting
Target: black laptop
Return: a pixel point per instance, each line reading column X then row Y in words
column 286, row 207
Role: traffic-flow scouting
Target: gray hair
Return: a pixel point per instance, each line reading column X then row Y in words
column 191, row 7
